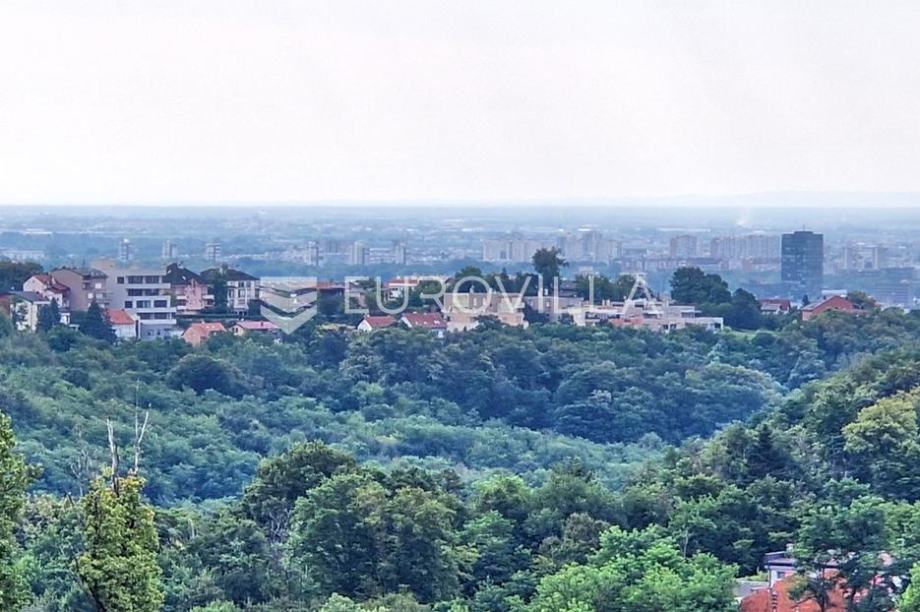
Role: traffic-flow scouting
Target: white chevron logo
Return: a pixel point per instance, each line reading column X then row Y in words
column 289, row 303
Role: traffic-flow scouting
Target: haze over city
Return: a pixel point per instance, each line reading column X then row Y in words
column 306, row 102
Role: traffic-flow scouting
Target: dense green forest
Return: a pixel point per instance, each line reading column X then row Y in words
column 546, row 469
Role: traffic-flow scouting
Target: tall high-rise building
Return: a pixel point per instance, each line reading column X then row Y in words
column 399, row 252
column 751, row 246
column 683, row 246
column 125, row 251
column 358, row 254
column 169, row 252
column 212, row 251
column 803, row 262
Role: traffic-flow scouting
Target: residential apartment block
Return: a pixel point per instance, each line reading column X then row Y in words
column 84, row 285
column 146, row 295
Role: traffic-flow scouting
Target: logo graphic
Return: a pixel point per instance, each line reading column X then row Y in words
column 289, row 302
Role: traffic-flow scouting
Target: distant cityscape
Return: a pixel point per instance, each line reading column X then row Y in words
column 769, row 257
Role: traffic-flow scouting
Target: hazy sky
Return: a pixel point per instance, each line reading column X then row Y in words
column 161, row 101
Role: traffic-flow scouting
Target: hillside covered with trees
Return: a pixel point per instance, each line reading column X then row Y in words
column 546, row 469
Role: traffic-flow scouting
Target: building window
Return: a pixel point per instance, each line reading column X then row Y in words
column 135, row 280
column 151, row 280
column 159, row 304
column 121, row 280
column 129, row 304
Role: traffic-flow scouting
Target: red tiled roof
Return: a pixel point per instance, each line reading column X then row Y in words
column 837, row 301
column 428, row 320
column 207, row 328
column 764, row 599
column 777, row 301
column 257, row 325
column 120, row 317
column 50, row 283
column 379, row 322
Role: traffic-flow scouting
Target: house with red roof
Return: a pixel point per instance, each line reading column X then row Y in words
column 264, row 328
column 775, row 306
column 46, row 286
column 835, row 303
column 778, row 599
column 199, row 332
column 123, row 322
column 429, row 321
column 374, row 322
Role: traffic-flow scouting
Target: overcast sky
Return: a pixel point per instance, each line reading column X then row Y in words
column 210, row 101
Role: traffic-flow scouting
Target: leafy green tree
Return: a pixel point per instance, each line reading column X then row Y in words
column 119, row 569
column 201, row 372
column 883, row 440
column 49, row 317
column 13, row 274
column 548, row 263
column 744, row 312
column 854, row 540
column 640, row 571
column 6, row 326
column 14, row 478
column 603, row 288
column 693, row 286
column 332, row 538
column 910, row 599
column 282, row 480
column 95, row 324
column 237, row 555
column 357, row 537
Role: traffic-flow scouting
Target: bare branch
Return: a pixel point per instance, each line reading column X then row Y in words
column 139, row 431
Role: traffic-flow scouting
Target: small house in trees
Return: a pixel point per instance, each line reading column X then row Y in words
column 374, row 322
column 777, row 598
column 23, row 308
column 199, row 332
column 835, row 303
column 430, row 321
column 775, row 306
column 123, row 323
column 264, row 328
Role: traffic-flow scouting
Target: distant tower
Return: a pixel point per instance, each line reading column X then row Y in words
column 803, row 262
column 212, row 251
column 169, row 251
column 399, row 252
column 125, row 251
column 358, row 254
column 683, row 246
column 313, row 254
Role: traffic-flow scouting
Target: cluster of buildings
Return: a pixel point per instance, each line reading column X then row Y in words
column 462, row 311
column 321, row 253
column 583, row 245
column 144, row 303
column 150, row 303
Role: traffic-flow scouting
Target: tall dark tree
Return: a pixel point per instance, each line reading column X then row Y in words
column 96, row 324
column 744, row 312
column 219, row 291
column 49, row 316
column 548, row 263
column 13, row 274
column 693, row 286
